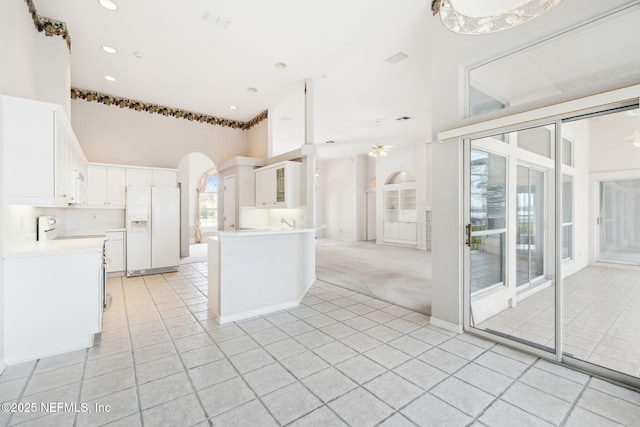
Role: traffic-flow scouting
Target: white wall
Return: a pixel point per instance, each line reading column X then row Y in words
column 257, row 140
column 287, row 122
column 109, row 134
column 337, row 189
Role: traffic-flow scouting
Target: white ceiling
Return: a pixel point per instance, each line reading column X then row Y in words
column 341, row 45
column 192, row 64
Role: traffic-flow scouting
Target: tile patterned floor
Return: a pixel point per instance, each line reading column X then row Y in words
column 601, row 318
column 340, row 358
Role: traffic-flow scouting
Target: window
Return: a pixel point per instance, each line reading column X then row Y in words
column 567, row 217
column 533, row 72
column 209, row 203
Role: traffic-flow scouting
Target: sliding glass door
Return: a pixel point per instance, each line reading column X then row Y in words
column 511, row 291
column 618, row 221
column 553, row 239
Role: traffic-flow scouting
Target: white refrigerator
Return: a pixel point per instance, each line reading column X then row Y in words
column 153, row 229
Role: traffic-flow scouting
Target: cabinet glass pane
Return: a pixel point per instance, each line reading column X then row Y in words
column 280, row 185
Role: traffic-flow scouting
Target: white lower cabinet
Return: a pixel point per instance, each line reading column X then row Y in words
column 55, row 303
column 400, row 232
column 115, row 251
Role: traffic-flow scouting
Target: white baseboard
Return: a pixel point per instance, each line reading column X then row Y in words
column 266, row 310
column 447, row 326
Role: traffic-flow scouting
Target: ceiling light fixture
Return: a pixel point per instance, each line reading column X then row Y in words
column 109, row 49
column 252, row 89
column 138, row 54
column 233, row 107
column 110, row 78
column 488, row 16
column 108, row 4
column 378, row 150
column 281, row 65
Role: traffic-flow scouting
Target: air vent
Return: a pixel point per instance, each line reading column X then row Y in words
column 398, row 57
column 215, row 19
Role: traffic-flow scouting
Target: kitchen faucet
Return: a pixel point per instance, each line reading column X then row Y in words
column 292, row 224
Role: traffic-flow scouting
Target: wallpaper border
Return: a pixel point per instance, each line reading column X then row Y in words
column 132, row 104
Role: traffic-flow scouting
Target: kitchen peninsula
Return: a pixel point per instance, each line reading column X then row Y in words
column 254, row 272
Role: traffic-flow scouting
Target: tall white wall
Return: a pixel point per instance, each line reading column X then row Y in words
column 109, row 134
column 342, row 203
column 258, row 140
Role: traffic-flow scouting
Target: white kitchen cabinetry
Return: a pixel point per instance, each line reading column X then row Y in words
column 149, row 176
column 55, row 303
column 115, row 251
column 106, row 186
column 41, row 154
column 278, row 185
column 399, row 224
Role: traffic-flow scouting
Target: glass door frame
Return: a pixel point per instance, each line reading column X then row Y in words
column 558, row 118
column 554, row 240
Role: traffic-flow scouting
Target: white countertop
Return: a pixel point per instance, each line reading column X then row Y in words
column 265, row 232
column 26, row 248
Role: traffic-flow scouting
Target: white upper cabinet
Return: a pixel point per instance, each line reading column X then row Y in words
column 278, row 185
column 106, row 186
column 41, row 154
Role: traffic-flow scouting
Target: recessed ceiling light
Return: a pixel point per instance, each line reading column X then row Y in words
column 138, row 54
column 233, row 107
column 398, row 57
column 109, row 49
column 281, row 65
column 108, row 4
column 110, row 78
column 252, row 89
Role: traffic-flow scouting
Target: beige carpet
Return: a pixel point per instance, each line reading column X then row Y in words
column 395, row 274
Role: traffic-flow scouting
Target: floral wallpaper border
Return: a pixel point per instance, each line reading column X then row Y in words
column 50, row 27
column 103, row 98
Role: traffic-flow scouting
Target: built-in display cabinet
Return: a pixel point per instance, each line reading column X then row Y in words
column 278, row 185
column 43, row 163
column 399, row 224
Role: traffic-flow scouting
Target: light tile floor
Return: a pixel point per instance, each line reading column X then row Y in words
column 341, row 358
column 601, row 318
